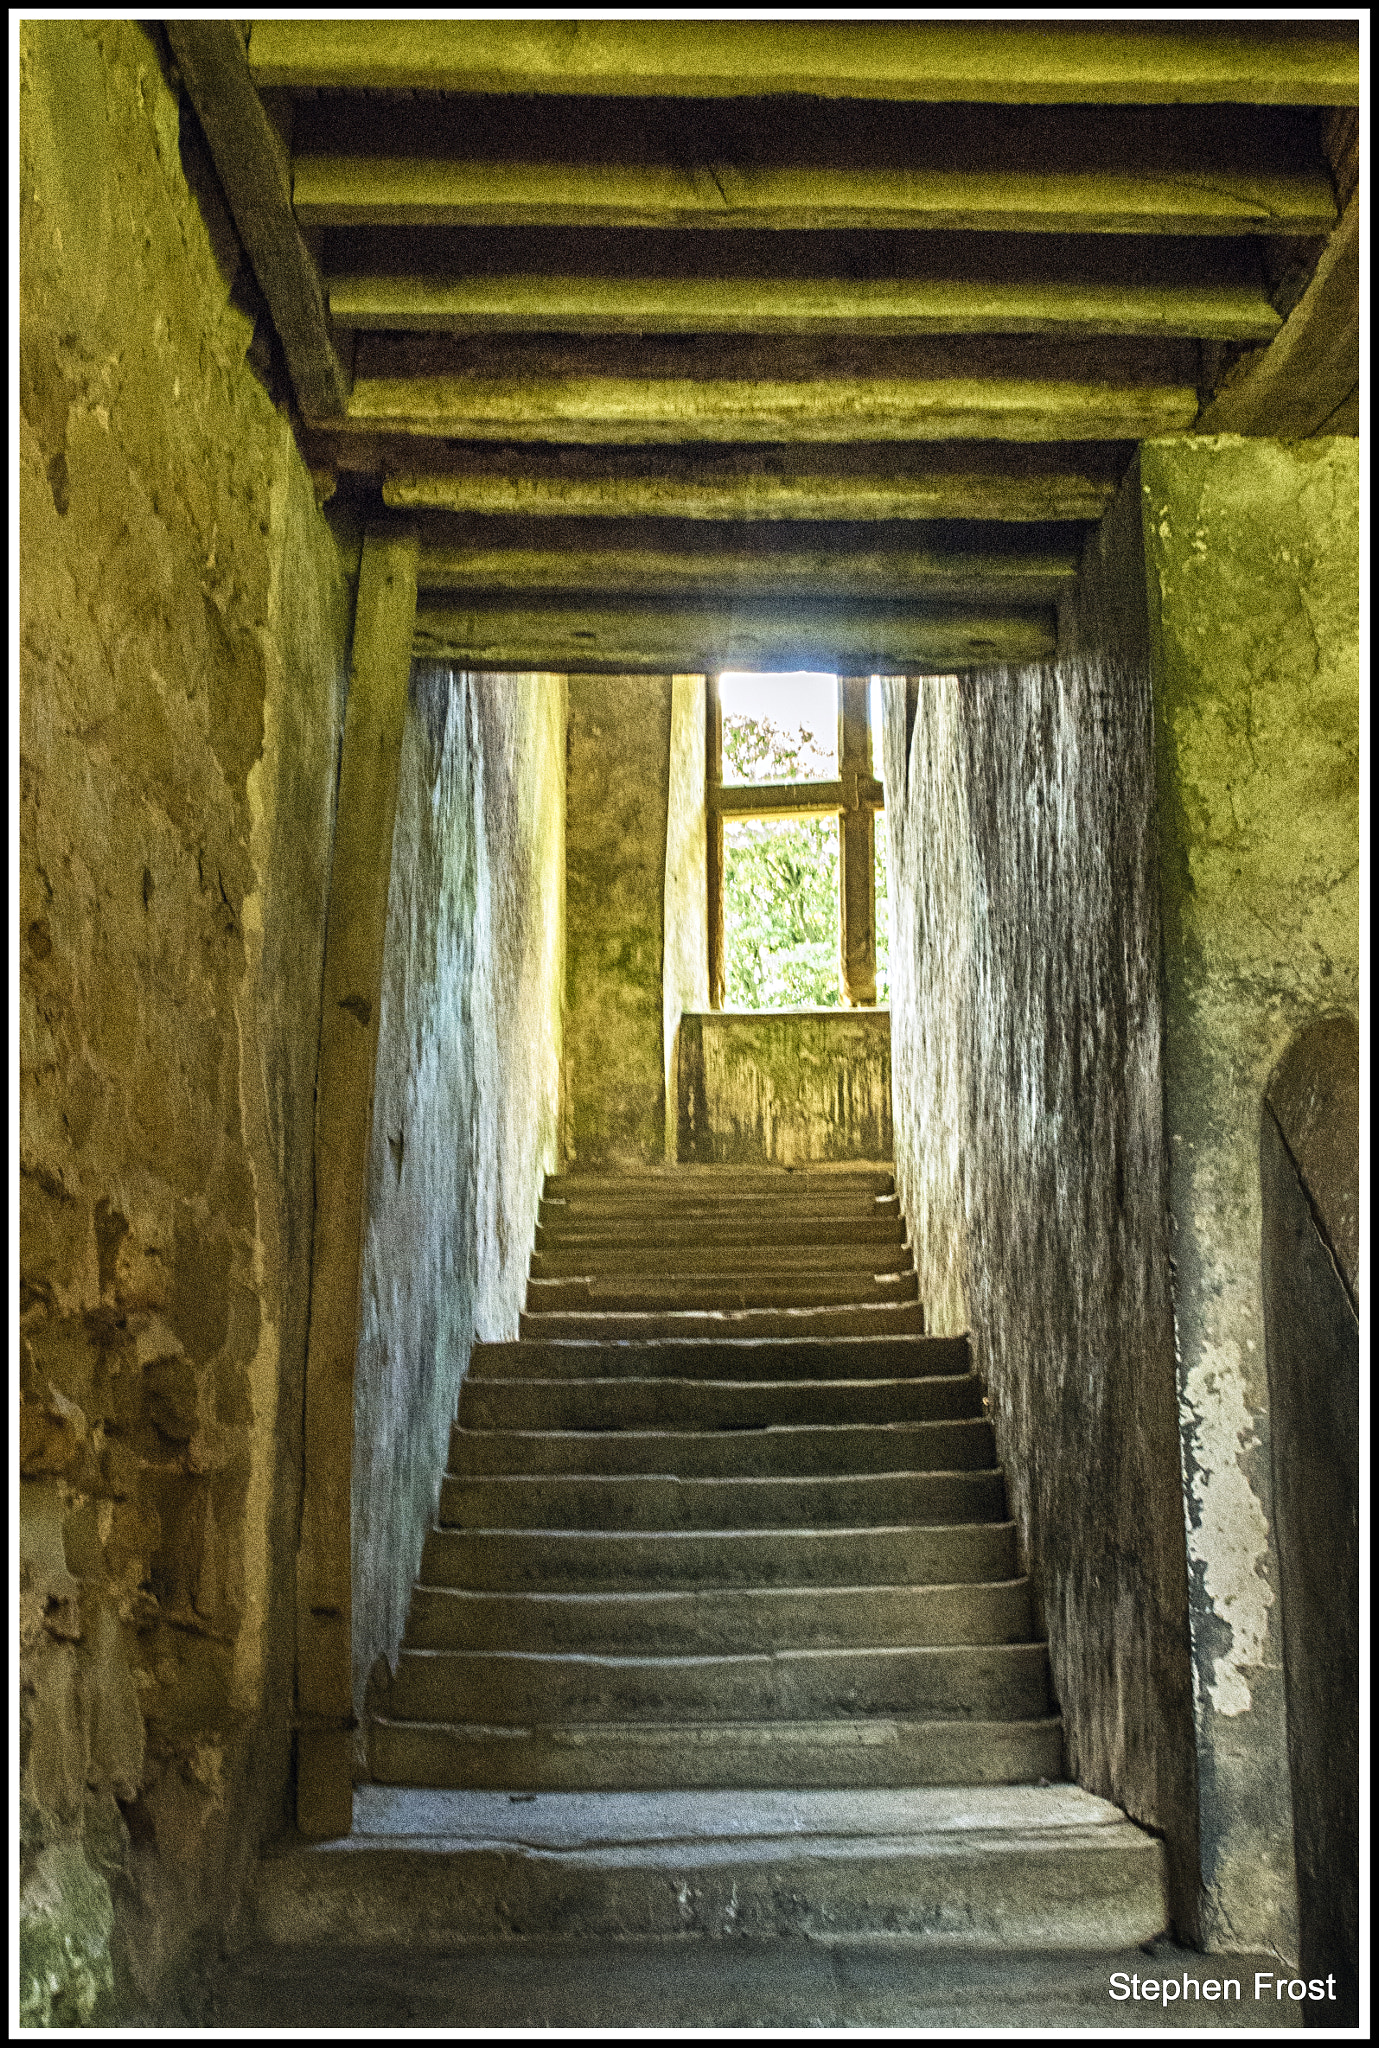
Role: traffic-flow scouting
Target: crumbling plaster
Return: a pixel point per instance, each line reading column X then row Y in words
column 183, row 627
column 1251, row 552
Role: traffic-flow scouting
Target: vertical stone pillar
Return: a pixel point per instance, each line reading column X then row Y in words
column 385, row 614
column 857, row 848
column 1252, row 573
column 713, row 747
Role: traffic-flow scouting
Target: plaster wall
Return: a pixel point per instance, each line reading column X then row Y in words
column 617, row 810
column 686, row 948
column 1026, row 1033
column 780, row 1088
column 467, row 1100
column 1251, row 550
column 183, row 626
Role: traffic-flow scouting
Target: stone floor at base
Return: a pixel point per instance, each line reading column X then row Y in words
column 721, row 1984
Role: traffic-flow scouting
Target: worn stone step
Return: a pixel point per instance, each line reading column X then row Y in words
column 697, row 1227
column 689, row 1184
column 898, row 1319
column 910, row 1985
column 811, row 1214
column 553, row 1558
column 711, row 1404
column 633, row 1501
column 721, row 1619
column 636, row 1262
column 964, row 1445
column 726, row 1358
column 648, row 1756
column 955, row 1682
column 645, row 1294
column 988, row 1868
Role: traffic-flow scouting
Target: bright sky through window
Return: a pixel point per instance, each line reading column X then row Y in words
column 789, row 703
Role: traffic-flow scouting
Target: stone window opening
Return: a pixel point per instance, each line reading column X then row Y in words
column 766, row 847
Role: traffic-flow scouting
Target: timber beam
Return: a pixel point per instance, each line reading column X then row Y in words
column 1010, row 63
column 1307, row 380
column 980, row 481
column 694, row 559
column 1009, row 388
column 539, row 302
column 670, row 639
column 252, row 163
column 357, row 916
column 476, row 164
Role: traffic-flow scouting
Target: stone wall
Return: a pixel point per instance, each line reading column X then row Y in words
column 1026, row 1031
column 617, row 803
column 183, row 626
column 1252, row 566
column 686, row 946
column 466, row 1105
column 779, row 1088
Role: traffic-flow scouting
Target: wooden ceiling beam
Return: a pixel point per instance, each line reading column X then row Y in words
column 999, row 481
column 433, row 162
column 252, row 165
column 1309, row 63
column 687, row 410
column 664, row 639
column 1306, row 381
column 674, row 558
column 819, row 307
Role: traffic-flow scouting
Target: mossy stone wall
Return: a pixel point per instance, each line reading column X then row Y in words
column 183, row 630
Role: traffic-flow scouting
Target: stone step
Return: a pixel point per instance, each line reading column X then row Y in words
column 899, row 1319
column 991, row 1868
column 662, row 1261
column 580, row 1500
column 727, row 1358
column 645, row 1294
column 913, row 1985
column 955, row 1682
column 650, row 1756
column 550, row 1559
column 689, row 1184
column 964, row 1445
column 758, row 1213
column 720, row 1620
column 711, row 1404
column 697, row 1227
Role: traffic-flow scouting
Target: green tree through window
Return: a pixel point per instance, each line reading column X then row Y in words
column 780, row 882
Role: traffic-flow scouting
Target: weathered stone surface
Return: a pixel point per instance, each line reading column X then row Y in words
column 743, row 1985
column 617, row 809
column 466, row 1110
column 685, row 975
column 182, row 628
column 783, row 1088
column 65, row 1923
column 1251, row 550
column 1026, row 1027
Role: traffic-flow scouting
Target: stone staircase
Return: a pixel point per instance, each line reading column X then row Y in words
column 721, row 1630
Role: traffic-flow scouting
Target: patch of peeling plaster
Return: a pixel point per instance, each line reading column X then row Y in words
column 1230, row 1538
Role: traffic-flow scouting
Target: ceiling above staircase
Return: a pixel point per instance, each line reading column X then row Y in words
column 692, row 344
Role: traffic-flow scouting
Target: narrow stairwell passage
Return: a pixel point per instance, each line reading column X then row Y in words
column 721, row 1630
